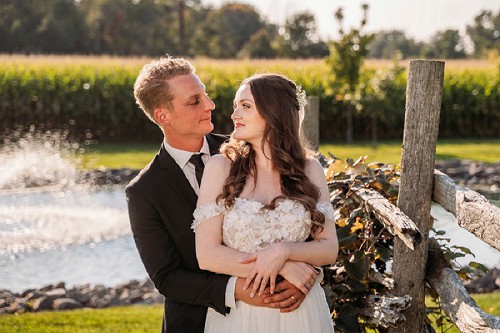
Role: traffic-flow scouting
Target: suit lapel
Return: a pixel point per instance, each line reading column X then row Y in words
column 214, row 142
column 175, row 178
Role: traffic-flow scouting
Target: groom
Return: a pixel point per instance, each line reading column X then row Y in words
column 162, row 198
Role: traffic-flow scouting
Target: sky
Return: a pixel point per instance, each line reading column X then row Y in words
column 419, row 19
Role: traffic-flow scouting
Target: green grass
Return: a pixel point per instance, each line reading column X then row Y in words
column 139, row 319
column 119, row 155
column 133, row 319
column 136, row 156
column 390, row 151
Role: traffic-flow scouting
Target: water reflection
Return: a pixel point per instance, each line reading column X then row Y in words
column 44, row 220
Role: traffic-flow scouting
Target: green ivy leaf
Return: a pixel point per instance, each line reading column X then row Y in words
column 346, row 239
column 479, row 266
column 383, row 182
column 439, row 232
column 453, row 255
column 359, row 267
column 347, row 320
column 384, row 252
column 463, row 249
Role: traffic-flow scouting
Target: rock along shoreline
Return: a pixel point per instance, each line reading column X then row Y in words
column 59, row 297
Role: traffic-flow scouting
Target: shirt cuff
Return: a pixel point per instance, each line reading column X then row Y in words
column 230, row 299
column 321, row 275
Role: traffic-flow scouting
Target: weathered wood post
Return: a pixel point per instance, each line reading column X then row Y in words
column 311, row 121
column 423, row 103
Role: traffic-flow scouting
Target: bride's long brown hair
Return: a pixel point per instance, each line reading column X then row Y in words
column 278, row 101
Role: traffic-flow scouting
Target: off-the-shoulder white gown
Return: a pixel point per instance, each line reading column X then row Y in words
column 248, row 227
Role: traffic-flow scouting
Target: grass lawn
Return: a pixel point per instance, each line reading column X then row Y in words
column 132, row 319
column 390, row 151
column 119, row 155
column 136, row 156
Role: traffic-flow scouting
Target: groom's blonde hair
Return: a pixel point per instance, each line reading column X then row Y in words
column 151, row 88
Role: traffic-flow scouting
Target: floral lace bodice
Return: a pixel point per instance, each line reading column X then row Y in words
column 249, row 227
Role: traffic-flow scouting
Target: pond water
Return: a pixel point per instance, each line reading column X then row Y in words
column 72, row 236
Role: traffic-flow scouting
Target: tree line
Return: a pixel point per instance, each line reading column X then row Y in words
column 190, row 28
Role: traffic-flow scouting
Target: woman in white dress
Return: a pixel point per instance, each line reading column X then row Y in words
column 259, row 201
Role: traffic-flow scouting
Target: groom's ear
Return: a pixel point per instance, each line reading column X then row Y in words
column 161, row 116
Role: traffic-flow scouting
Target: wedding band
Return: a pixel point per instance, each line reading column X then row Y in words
column 294, row 300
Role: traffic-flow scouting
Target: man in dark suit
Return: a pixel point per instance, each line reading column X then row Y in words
column 162, row 198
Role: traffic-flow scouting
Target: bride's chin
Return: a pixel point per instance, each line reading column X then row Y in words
column 237, row 136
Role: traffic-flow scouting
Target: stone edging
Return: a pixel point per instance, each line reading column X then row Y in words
column 58, row 297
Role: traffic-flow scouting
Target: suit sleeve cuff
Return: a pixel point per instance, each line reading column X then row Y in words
column 230, row 299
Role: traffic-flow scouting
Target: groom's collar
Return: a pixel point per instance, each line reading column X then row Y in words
column 181, row 157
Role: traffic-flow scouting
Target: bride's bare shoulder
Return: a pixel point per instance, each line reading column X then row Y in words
column 315, row 171
column 313, row 166
column 218, row 161
column 218, row 166
column 215, row 173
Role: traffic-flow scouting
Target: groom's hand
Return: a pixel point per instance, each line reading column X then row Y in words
column 286, row 297
column 244, row 295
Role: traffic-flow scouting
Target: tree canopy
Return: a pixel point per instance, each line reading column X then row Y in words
column 190, row 28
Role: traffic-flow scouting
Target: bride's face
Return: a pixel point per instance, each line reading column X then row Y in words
column 248, row 123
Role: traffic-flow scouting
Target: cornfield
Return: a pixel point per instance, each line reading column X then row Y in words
column 92, row 98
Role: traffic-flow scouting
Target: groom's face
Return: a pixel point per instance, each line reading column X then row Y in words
column 191, row 108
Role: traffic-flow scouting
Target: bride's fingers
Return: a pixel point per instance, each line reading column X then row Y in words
column 263, row 284
column 256, row 283
column 248, row 259
column 249, row 280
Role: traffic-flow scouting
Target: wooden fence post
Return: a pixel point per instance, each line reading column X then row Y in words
column 423, row 103
column 310, row 124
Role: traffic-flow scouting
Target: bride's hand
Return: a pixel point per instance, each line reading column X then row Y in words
column 301, row 275
column 268, row 264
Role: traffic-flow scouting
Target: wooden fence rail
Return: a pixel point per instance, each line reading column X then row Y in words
column 455, row 300
column 473, row 211
column 391, row 216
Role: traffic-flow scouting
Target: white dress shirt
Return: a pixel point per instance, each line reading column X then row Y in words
column 182, row 157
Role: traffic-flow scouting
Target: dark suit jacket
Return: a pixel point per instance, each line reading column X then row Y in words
column 160, row 204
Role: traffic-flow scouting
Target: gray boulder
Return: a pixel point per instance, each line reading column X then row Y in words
column 66, row 304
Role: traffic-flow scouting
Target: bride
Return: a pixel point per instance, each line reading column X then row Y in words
column 259, row 201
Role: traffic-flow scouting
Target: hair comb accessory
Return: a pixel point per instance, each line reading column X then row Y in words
column 302, row 100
